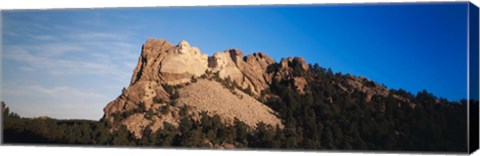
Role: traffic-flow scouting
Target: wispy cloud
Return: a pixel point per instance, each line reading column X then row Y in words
column 46, row 49
column 53, row 92
column 84, row 56
column 97, row 36
column 44, row 37
column 57, row 102
column 74, row 51
column 29, row 69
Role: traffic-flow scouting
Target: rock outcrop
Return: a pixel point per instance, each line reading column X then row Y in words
column 367, row 86
column 250, row 72
column 291, row 69
column 146, row 79
column 171, row 82
column 162, row 62
column 370, row 88
column 146, row 103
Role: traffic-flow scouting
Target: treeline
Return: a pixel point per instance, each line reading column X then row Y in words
column 324, row 117
column 208, row 132
column 51, row 131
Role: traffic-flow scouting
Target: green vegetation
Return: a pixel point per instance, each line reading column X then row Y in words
column 226, row 82
column 325, row 117
column 210, row 131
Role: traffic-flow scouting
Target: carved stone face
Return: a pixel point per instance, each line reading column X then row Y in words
column 221, row 62
column 183, row 43
column 183, row 47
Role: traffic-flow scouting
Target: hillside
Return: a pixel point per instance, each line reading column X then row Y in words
column 164, row 70
column 180, row 97
column 211, row 96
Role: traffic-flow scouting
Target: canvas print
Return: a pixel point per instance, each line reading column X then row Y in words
column 400, row 77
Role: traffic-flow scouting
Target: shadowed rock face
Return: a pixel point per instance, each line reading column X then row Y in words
column 287, row 70
column 153, row 52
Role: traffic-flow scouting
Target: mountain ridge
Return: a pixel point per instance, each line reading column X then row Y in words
column 164, row 68
column 254, row 102
column 162, row 65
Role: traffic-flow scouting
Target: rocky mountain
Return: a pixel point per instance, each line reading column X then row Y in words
column 162, row 64
column 171, row 82
column 180, row 97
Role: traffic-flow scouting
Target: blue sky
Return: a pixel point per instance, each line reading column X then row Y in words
column 71, row 63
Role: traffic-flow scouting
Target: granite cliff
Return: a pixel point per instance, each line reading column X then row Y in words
column 162, row 64
column 171, row 82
